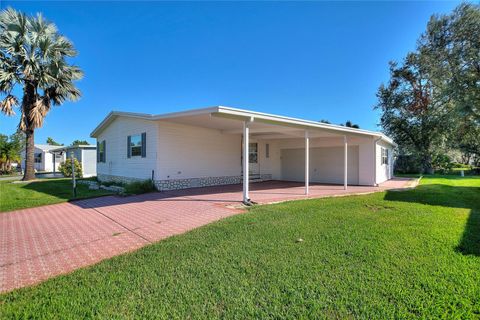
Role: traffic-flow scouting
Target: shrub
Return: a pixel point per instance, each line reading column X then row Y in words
column 407, row 164
column 442, row 163
column 66, row 168
column 139, row 187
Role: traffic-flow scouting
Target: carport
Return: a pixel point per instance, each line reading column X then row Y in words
column 307, row 151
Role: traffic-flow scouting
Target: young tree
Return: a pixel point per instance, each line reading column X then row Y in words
column 33, row 57
column 10, row 148
column 52, row 142
column 413, row 113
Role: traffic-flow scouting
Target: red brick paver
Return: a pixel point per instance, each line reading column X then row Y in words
column 42, row 242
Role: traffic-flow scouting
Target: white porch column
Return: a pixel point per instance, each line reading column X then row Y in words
column 307, row 161
column 246, row 132
column 345, row 163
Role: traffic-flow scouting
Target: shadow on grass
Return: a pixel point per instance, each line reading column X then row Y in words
column 61, row 189
column 449, row 196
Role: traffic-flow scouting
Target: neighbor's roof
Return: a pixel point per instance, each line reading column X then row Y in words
column 78, row 146
column 47, row 147
column 240, row 114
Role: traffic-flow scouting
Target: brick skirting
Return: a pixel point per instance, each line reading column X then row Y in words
column 176, row 184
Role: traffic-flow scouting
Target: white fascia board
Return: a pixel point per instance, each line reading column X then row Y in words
column 299, row 122
column 242, row 114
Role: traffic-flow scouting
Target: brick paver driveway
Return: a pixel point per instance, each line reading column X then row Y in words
column 42, row 242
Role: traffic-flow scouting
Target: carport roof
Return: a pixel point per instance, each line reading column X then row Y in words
column 229, row 113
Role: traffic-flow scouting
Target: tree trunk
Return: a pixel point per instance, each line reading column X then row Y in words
column 27, row 105
column 29, row 156
column 427, row 167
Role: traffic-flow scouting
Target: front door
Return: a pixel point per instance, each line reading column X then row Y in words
column 253, row 167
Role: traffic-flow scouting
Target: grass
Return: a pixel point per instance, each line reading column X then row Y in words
column 412, row 254
column 15, row 196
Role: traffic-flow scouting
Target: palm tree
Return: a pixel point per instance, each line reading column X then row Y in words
column 33, row 57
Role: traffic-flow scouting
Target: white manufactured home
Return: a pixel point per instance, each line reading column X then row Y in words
column 86, row 155
column 206, row 147
column 44, row 159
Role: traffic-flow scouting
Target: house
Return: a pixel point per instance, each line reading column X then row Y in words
column 205, row 147
column 85, row 154
column 44, row 160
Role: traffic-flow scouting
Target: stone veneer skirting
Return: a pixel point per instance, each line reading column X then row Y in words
column 175, row 184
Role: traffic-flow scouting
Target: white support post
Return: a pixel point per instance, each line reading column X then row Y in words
column 345, row 163
column 307, row 162
column 246, row 197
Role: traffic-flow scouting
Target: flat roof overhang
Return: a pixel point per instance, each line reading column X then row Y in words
column 230, row 121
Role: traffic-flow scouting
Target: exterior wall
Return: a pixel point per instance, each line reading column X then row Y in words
column 193, row 152
column 184, row 156
column 273, row 164
column 383, row 172
column 326, row 165
column 117, row 164
column 89, row 162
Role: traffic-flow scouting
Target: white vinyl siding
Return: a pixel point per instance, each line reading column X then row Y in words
column 326, row 165
column 195, row 152
column 384, row 165
column 117, row 163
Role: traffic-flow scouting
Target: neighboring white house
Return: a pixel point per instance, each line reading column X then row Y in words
column 44, row 159
column 85, row 154
column 204, row 147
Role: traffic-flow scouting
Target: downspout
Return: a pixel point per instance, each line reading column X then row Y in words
column 375, row 160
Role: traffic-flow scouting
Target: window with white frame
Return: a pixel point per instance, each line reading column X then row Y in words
column 384, row 156
column 136, row 145
column 101, row 151
column 267, row 150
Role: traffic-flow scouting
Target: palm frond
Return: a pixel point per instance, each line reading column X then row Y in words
column 7, row 105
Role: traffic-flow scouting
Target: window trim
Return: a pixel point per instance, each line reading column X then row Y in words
column 101, row 151
column 134, row 146
column 384, row 156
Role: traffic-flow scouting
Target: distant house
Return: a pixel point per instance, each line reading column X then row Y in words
column 44, row 160
column 86, row 154
column 48, row 157
column 206, row 147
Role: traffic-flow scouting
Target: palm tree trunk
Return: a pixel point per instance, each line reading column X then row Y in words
column 29, row 156
column 27, row 104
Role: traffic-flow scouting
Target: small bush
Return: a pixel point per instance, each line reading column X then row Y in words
column 139, row 187
column 442, row 163
column 66, row 168
column 407, row 164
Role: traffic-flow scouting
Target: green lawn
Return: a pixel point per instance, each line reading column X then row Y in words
column 47, row 191
column 412, row 254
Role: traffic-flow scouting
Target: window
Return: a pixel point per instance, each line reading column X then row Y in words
column 384, row 156
column 101, row 151
column 136, row 145
column 58, row 156
column 267, row 150
column 38, row 157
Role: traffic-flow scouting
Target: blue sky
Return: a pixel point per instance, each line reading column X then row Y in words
column 313, row 60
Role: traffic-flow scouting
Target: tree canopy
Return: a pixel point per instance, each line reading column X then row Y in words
column 430, row 106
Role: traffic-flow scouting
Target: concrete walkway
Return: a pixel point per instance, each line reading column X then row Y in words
column 42, row 242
